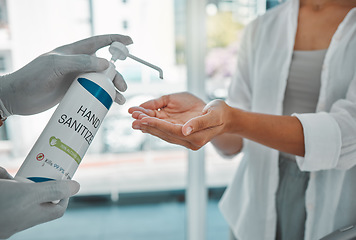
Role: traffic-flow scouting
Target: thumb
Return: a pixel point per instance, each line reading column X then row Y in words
column 198, row 124
column 194, row 125
column 209, row 119
column 55, row 190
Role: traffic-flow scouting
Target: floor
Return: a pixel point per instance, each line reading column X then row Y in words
column 145, row 216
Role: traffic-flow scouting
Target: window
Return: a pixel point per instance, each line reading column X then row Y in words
column 3, row 13
column 273, row 3
column 5, row 60
column 125, row 25
column 2, row 64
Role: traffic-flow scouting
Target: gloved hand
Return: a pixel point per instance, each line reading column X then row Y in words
column 42, row 83
column 23, row 205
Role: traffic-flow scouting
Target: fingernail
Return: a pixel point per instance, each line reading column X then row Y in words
column 188, row 131
column 75, row 186
column 120, row 99
column 123, row 86
column 136, row 127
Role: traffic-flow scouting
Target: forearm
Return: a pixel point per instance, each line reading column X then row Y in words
column 227, row 144
column 284, row 133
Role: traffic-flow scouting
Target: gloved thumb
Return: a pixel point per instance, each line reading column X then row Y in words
column 56, row 190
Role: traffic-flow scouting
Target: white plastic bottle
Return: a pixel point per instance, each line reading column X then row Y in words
column 67, row 136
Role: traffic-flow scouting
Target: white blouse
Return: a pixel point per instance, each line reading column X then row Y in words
column 303, row 84
column 330, row 134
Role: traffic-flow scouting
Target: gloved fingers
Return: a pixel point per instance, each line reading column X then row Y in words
column 119, row 98
column 51, row 211
column 91, row 45
column 80, row 63
column 4, row 174
column 55, row 190
column 64, row 203
column 119, row 82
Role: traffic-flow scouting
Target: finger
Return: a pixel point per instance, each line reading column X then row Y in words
column 174, row 138
column 119, row 98
column 149, row 112
column 63, row 203
column 51, row 211
column 137, row 123
column 157, row 103
column 133, row 109
column 142, row 115
column 80, row 63
column 136, row 114
column 119, row 82
column 165, row 126
column 170, row 132
column 168, row 138
column 4, row 174
column 139, row 115
column 55, row 190
column 200, row 123
column 91, row 45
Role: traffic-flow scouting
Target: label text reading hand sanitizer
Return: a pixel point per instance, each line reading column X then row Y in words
column 79, row 127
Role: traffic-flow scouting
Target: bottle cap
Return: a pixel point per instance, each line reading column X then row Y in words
column 118, row 51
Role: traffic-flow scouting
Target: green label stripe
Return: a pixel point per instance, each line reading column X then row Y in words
column 56, row 142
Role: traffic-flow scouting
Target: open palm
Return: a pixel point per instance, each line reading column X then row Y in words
column 176, row 108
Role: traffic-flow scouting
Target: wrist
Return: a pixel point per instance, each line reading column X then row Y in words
column 234, row 119
column 4, row 113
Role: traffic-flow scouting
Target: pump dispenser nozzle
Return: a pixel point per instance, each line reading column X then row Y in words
column 120, row 51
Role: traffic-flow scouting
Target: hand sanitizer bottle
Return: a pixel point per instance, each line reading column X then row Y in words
column 71, row 129
column 63, row 143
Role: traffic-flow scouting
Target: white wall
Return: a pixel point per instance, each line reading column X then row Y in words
column 151, row 29
column 38, row 26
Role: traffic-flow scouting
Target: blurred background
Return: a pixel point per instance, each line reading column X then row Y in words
column 133, row 186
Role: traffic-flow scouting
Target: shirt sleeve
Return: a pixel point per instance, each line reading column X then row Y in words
column 330, row 137
column 240, row 90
